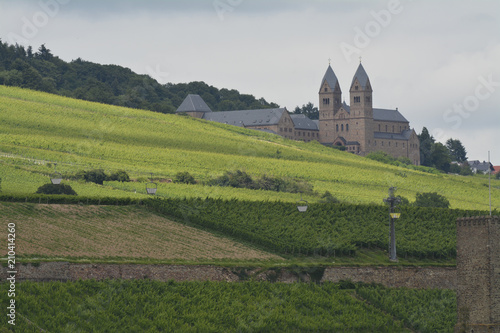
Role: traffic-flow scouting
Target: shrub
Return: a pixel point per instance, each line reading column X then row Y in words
column 56, row 189
column 240, row 179
column 184, row 178
column 121, row 176
column 431, row 200
column 97, row 176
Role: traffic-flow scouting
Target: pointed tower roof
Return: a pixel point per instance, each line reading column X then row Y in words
column 193, row 103
column 361, row 76
column 330, row 77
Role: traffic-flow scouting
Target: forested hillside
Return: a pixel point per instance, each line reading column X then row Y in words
column 110, row 84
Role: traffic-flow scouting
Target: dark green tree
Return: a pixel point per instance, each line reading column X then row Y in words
column 431, row 200
column 56, row 189
column 426, row 143
column 309, row 110
column 497, row 176
column 97, row 176
column 457, row 150
column 440, row 157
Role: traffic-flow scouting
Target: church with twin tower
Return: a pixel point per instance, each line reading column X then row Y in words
column 359, row 126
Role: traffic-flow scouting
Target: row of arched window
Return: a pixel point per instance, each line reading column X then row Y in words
column 342, row 127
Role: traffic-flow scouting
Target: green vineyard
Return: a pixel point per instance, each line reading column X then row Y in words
column 38, row 131
column 149, row 306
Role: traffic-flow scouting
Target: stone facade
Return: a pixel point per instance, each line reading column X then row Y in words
column 359, row 127
column 478, row 274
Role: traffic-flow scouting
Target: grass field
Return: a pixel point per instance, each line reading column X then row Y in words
column 38, row 130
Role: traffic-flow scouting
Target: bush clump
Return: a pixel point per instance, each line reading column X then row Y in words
column 98, row 176
column 240, row 179
column 431, row 200
column 184, row 178
column 56, row 189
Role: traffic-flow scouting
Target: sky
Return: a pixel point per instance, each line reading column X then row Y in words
column 438, row 62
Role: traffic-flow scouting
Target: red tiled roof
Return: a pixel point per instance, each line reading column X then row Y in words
column 497, row 169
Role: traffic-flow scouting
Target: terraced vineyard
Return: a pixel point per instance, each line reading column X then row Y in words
column 38, row 130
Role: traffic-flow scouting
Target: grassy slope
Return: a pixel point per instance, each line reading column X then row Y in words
column 37, row 127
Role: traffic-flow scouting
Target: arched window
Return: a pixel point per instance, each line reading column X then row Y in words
column 347, row 127
column 337, row 127
column 342, row 127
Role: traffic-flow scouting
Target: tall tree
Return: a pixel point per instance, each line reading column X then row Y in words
column 426, row 145
column 440, row 157
column 309, row 110
column 457, row 150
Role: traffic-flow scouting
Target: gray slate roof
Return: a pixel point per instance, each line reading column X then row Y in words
column 330, row 78
column 348, row 143
column 193, row 103
column 405, row 135
column 300, row 121
column 382, row 114
column 481, row 166
column 361, row 76
column 247, row 118
column 388, row 115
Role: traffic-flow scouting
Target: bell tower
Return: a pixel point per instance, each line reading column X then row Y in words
column 330, row 101
column 361, row 108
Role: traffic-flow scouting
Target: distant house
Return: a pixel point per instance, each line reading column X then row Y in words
column 483, row 166
column 497, row 170
column 359, row 127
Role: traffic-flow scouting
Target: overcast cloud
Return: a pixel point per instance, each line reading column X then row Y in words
column 437, row 61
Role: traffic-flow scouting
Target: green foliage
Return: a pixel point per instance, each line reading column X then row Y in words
column 325, row 230
column 97, row 176
column 184, row 178
column 426, row 142
column 83, row 135
column 56, row 189
column 153, row 306
column 497, row 176
column 121, row 176
column 309, row 110
column 240, row 179
column 109, row 84
column 431, row 200
column 404, row 162
column 457, row 150
column 423, row 310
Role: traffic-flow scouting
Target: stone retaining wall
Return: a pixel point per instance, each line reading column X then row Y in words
column 411, row 277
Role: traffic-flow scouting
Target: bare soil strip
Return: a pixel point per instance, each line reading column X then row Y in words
column 130, row 232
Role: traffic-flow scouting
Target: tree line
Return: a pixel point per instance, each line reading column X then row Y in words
column 110, row 84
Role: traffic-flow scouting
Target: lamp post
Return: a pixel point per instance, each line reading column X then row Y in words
column 392, row 201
